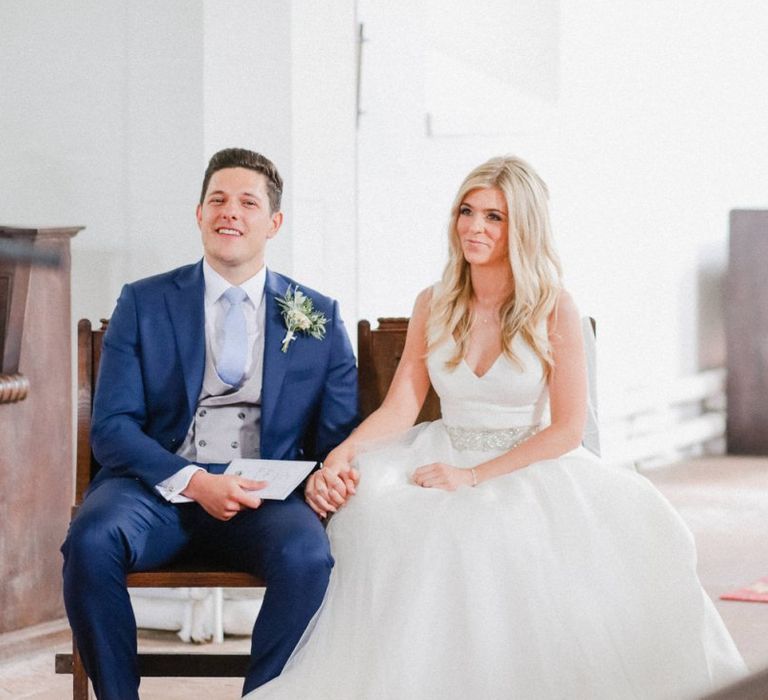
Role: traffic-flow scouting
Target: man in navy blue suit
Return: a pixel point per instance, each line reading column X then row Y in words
column 194, row 374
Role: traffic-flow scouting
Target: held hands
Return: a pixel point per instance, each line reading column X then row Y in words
column 223, row 495
column 442, row 476
column 329, row 488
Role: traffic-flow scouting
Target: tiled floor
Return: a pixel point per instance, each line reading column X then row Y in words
column 723, row 500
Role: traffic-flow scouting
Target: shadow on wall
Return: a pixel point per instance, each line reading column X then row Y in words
column 710, row 326
column 94, row 272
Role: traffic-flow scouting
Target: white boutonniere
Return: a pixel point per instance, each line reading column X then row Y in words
column 299, row 316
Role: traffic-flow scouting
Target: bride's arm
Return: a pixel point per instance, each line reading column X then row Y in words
column 567, row 398
column 568, row 409
column 398, row 412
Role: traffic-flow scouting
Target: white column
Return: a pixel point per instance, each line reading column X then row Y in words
column 323, row 64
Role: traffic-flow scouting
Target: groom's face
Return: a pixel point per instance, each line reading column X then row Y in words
column 236, row 222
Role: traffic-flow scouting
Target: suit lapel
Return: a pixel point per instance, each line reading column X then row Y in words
column 275, row 361
column 186, row 307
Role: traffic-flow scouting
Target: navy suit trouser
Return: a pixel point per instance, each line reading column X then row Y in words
column 122, row 527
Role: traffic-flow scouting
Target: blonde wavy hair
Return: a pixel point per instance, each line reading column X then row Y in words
column 535, row 266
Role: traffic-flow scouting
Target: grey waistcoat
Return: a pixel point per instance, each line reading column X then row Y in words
column 226, row 426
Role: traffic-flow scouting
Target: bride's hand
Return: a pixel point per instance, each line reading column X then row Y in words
column 442, row 476
column 330, row 487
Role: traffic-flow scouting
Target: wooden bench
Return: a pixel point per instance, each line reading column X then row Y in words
column 379, row 351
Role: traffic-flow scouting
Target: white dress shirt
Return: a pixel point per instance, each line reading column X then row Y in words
column 216, row 307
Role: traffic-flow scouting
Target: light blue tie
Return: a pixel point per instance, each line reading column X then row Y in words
column 234, row 349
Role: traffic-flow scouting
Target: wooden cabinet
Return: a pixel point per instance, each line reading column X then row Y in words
column 36, row 475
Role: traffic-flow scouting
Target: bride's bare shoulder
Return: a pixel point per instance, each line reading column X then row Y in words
column 424, row 297
column 565, row 304
column 565, row 318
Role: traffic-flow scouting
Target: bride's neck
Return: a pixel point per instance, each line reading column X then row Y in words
column 490, row 288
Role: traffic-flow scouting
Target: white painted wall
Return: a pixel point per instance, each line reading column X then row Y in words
column 64, row 142
column 109, row 111
column 663, row 132
column 646, row 118
column 162, row 129
column 435, row 104
column 649, row 128
column 247, row 87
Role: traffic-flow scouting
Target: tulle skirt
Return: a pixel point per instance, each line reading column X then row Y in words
column 566, row 579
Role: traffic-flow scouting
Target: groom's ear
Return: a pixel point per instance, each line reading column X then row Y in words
column 199, row 214
column 277, row 222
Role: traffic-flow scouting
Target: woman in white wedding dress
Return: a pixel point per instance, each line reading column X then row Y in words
column 486, row 555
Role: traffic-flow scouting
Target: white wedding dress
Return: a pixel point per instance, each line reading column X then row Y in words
column 565, row 579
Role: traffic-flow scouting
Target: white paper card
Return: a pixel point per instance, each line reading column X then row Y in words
column 282, row 475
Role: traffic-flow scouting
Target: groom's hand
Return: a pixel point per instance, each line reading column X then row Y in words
column 223, row 495
column 327, row 490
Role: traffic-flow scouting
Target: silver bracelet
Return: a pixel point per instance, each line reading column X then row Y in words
column 474, row 477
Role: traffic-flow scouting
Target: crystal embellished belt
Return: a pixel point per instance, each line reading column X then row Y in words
column 502, row 439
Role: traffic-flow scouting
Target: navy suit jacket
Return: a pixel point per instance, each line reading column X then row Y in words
column 151, row 374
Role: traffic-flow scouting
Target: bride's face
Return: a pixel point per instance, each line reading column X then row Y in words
column 483, row 227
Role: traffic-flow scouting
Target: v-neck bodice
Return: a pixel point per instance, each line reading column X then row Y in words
column 505, row 396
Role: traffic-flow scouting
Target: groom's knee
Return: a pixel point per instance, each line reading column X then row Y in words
column 304, row 559
column 91, row 550
column 97, row 544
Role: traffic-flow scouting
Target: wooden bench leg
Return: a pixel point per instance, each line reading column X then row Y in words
column 80, row 689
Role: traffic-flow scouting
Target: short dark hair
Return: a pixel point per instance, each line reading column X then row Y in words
column 243, row 158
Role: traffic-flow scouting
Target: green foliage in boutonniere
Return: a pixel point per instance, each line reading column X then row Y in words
column 299, row 316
